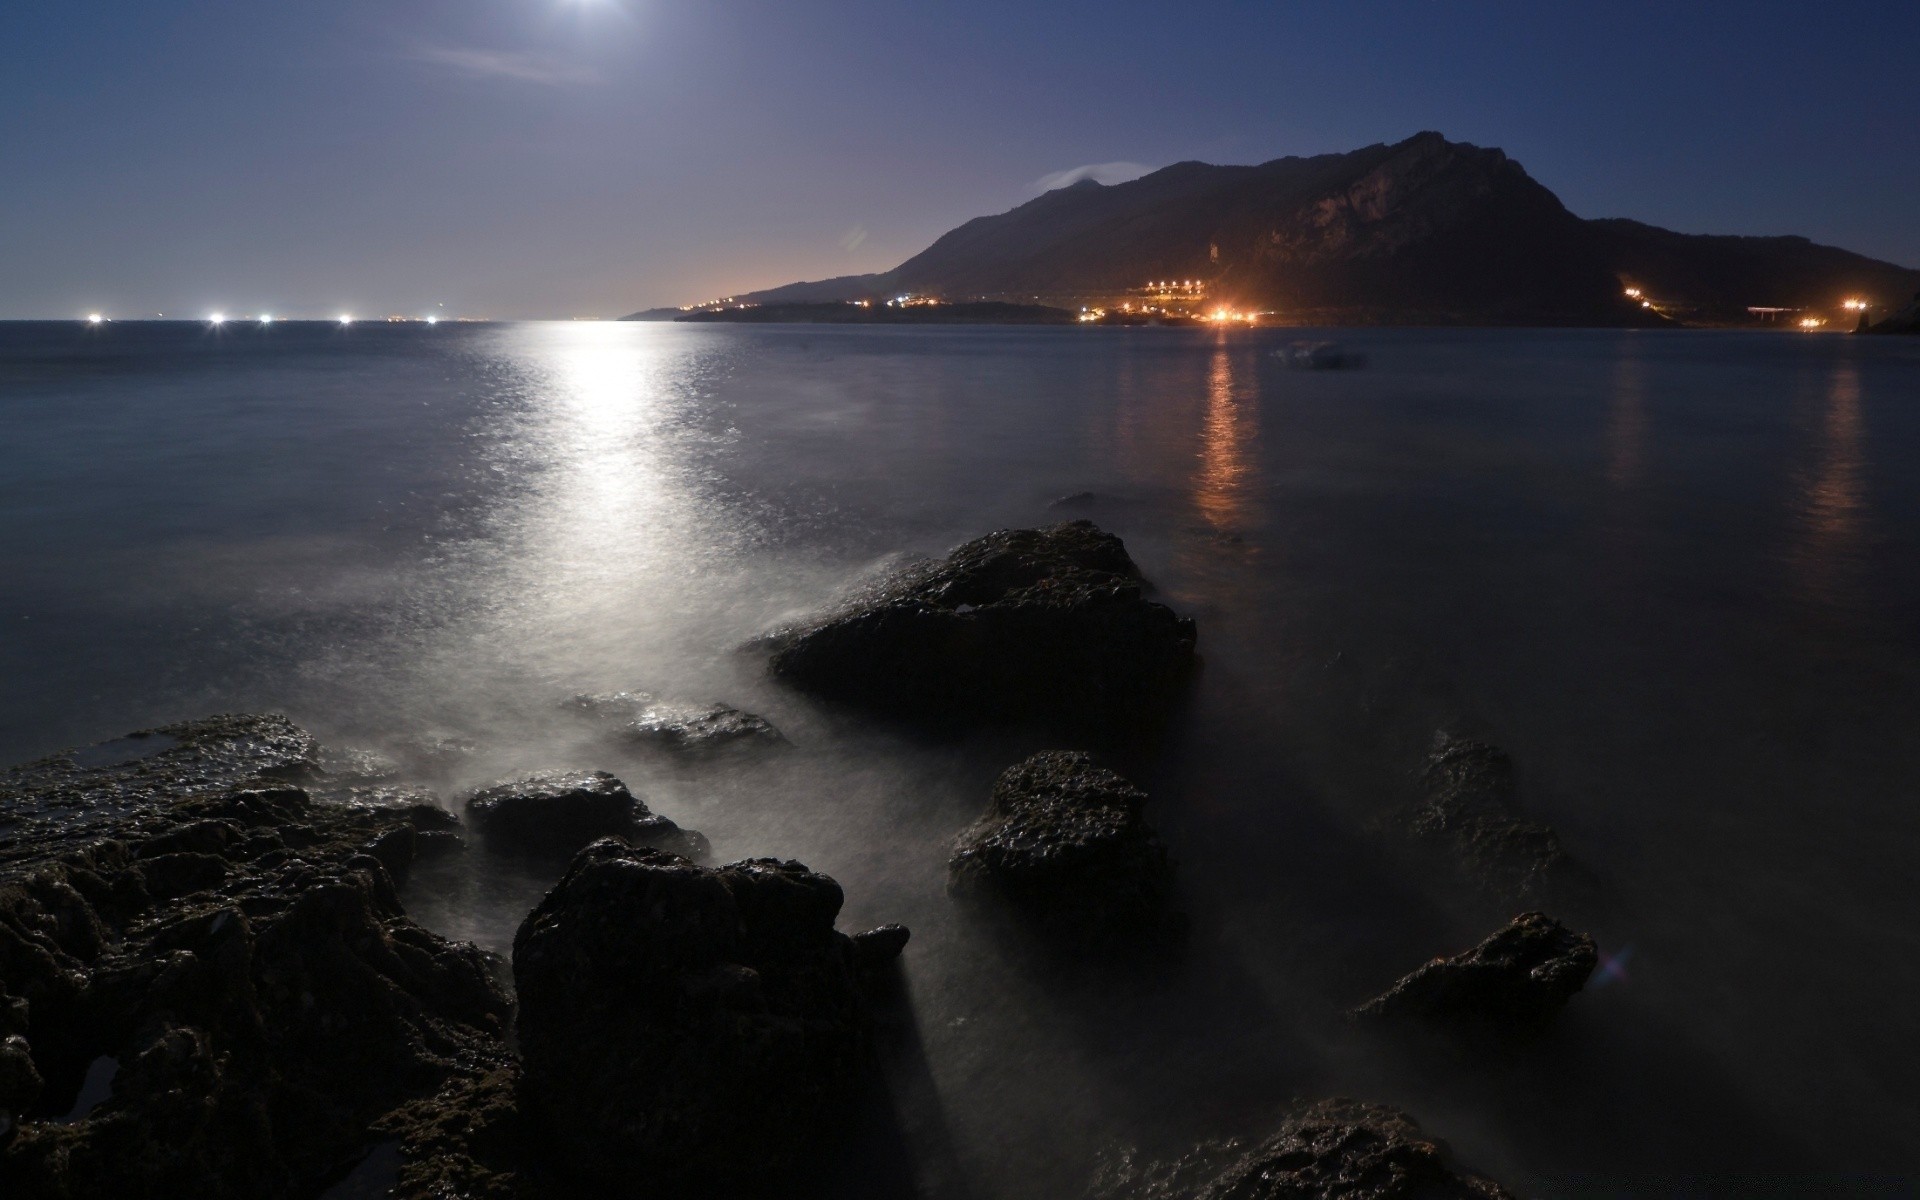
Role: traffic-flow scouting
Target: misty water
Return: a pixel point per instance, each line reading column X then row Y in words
column 1673, row 573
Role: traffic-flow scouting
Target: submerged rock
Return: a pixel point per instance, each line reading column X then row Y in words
column 688, row 1028
column 558, row 812
column 1517, row 979
column 1332, row 1150
column 1026, row 624
column 1063, row 843
column 237, row 949
column 642, row 720
column 1469, row 810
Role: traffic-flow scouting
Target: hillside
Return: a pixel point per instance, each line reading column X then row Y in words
column 1421, row 231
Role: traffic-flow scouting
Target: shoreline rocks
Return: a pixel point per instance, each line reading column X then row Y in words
column 236, row 949
column 1516, row 980
column 1470, row 812
column 688, row 1028
column 1047, row 625
column 643, row 721
column 1332, row 1150
column 1064, row 844
column 556, row 813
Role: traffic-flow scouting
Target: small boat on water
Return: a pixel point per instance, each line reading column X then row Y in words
column 1321, row 356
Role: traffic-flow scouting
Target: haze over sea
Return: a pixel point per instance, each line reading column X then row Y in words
column 1674, row 574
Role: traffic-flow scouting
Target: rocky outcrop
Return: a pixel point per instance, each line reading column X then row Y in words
column 643, row 721
column 686, row 1028
column 1333, row 1150
column 1064, row 844
column 558, row 812
column 211, row 971
column 1027, row 624
column 1469, row 812
column 1517, row 979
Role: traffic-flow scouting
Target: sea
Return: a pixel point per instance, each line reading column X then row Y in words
column 1675, row 574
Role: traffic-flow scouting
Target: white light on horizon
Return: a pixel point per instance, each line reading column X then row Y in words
column 266, row 318
column 432, row 319
column 346, row 318
column 218, row 318
column 94, row 318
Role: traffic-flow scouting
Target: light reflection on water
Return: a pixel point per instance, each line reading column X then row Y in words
column 1598, row 549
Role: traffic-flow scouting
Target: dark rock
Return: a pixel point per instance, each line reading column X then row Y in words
column 20, row 1084
column 685, row 1027
column 56, row 801
column 641, row 720
column 470, row 1140
column 1332, row 1150
column 1027, row 624
column 1063, row 842
column 1517, row 979
column 558, row 812
column 1469, row 809
column 878, row 947
column 237, row 949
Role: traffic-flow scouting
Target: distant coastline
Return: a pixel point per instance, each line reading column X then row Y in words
column 985, row 312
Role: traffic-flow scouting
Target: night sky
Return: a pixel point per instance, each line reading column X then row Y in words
column 514, row 158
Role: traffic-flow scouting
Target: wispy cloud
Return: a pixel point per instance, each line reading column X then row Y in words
column 500, row 64
column 854, row 237
column 1111, row 172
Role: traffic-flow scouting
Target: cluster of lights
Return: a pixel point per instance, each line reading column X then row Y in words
column 1811, row 322
column 1854, row 305
column 910, row 300
column 221, row 318
column 1227, row 315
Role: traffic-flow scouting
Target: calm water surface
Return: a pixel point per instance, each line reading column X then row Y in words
column 1674, row 574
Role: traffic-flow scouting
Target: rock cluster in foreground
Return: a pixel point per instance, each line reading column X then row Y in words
column 208, row 987
column 1047, row 625
column 558, row 812
column 1333, row 1150
column 1063, row 843
column 212, row 973
column 1517, row 979
column 689, row 1026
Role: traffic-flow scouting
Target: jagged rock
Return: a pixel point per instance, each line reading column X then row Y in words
column 1063, row 842
column 72, row 797
column 1332, row 1150
column 558, row 812
column 878, row 947
column 685, row 1027
column 236, row 947
column 1519, row 978
column 640, row 719
column 469, row 1140
column 1469, row 809
column 1027, row 624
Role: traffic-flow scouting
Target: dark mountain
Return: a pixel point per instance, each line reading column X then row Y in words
column 1425, row 230
column 1717, row 278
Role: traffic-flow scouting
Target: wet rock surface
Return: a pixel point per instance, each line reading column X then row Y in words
column 1517, row 979
column 1064, row 844
column 644, row 721
column 689, row 1030
column 556, row 813
column 225, row 957
column 1028, row 624
column 1332, row 1150
column 1469, row 811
